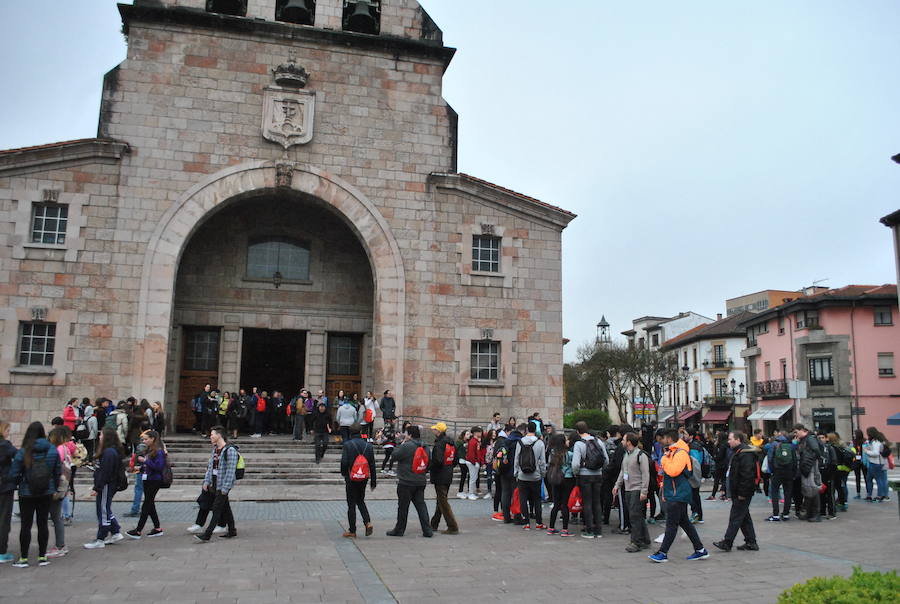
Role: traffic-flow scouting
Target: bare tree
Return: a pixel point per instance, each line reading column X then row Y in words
column 653, row 371
column 610, row 366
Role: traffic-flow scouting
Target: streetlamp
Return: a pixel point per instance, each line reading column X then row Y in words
column 737, row 391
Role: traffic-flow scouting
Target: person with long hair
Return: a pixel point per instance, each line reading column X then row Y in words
column 474, row 459
column 487, row 445
column 35, row 471
column 844, row 463
column 877, row 450
column 106, row 481
column 153, row 462
column 561, row 480
column 7, row 490
column 858, row 466
column 462, row 448
column 61, row 438
column 721, row 459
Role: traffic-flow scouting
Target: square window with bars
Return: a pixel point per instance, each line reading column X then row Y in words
column 49, row 223
column 37, row 344
column 486, row 253
column 885, row 363
column 201, row 350
column 485, row 360
column 343, row 354
column 820, row 372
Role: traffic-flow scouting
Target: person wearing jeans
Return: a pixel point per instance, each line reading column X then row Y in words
column 877, row 452
column 590, row 482
column 530, row 481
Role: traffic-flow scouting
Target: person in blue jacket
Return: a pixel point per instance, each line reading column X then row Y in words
column 106, row 483
column 35, row 471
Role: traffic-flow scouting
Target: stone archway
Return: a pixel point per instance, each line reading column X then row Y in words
column 167, row 243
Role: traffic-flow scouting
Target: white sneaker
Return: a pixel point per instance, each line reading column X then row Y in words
column 219, row 530
column 96, row 544
column 461, row 495
column 255, row 435
column 115, row 538
column 472, row 497
column 195, row 528
column 57, row 552
column 488, row 496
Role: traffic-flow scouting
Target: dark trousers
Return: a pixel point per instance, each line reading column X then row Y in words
column 148, row 508
column 464, row 478
column 221, row 510
column 209, row 420
column 298, row 426
column 606, row 500
column 498, row 491
column 696, row 505
column 561, row 494
column 718, row 480
column 198, row 420
column 840, row 486
column 260, row 422
column 416, row 495
column 356, row 498
column 508, row 483
column 308, row 420
column 624, row 518
column 826, row 499
column 639, row 533
column 387, row 462
column 6, row 509
column 739, row 518
column 443, row 509
column 321, row 445
column 797, row 494
column 345, row 433
column 530, row 499
column 591, row 497
column 652, row 494
column 785, row 481
column 677, row 517
column 31, row 509
column 858, row 469
column 106, row 520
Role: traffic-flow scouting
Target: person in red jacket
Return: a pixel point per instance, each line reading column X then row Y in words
column 474, row 460
column 70, row 415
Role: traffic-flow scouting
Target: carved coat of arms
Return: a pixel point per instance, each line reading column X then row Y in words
column 287, row 110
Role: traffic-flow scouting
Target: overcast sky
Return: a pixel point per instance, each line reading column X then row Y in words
column 710, row 149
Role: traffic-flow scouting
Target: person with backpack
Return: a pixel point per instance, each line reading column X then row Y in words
column 118, row 421
column 744, row 476
column 530, row 467
column 810, row 453
column 876, row 451
column 36, row 472
column 828, row 470
column 589, row 458
column 783, row 466
column 412, row 465
column 561, row 481
column 219, row 479
column 505, row 467
column 487, row 447
column 634, row 480
column 695, row 446
column 357, row 468
column 443, row 458
column 152, row 460
column 844, row 463
column 109, row 477
column 497, row 450
column 61, row 438
column 676, row 465
column 7, row 490
column 614, row 453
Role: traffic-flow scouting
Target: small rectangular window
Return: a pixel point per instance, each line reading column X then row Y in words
column 820, row 372
column 343, row 354
column 485, row 360
column 201, row 349
column 655, row 340
column 37, row 343
column 486, row 253
column 883, row 316
column 808, row 319
column 49, row 222
column 885, row 363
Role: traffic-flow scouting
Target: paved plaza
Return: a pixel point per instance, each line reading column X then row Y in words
column 293, row 552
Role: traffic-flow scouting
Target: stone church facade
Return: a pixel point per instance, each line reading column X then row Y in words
column 272, row 200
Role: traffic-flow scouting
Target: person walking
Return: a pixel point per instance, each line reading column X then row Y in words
column 561, row 481
column 676, row 494
column 152, row 462
column 744, row 477
column 357, row 473
column 36, row 472
column 810, row 452
column 530, row 467
column 411, row 480
column 7, row 490
column 634, row 482
column 219, row 479
column 783, row 466
column 695, row 446
column 322, row 428
column 346, row 416
column 107, row 477
column 589, row 458
column 441, row 465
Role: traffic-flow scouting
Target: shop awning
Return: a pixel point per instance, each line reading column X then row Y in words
column 686, row 415
column 894, row 420
column 665, row 414
column 717, row 416
column 772, row 412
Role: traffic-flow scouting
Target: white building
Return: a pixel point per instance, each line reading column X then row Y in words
column 653, row 331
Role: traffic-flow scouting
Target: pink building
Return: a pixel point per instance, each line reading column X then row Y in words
column 827, row 361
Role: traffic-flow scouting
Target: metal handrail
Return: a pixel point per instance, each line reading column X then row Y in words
column 454, row 427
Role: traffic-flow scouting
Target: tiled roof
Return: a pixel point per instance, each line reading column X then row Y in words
column 515, row 193
column 857, row 290
column 727, row 327
column 57, row 144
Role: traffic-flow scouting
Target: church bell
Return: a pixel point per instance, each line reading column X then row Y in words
column 362, row 18
column 300, row 12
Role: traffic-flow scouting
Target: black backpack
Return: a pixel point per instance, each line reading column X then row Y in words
column 121, row 476
column 593, row 456
column 38, row 477
column 527, row 462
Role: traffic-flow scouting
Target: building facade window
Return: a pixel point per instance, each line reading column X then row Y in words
column 721, row 387
column 49, row 222
column 883, row 315
column 695, row 357
column 289, row 258
column 696, row 390
column 886, row 364
column 37, row 343
column 236, row 8
column 485, row 362
column 820, row 372
column 486, row 253
column 654, row 341
column 343, row 354
column 201, row 350
column 807, row 319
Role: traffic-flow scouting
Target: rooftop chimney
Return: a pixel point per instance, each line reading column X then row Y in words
column 718, row 316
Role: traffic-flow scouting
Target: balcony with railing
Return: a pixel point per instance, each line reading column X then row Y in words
column 771, row 389
column 718, row 400
column 717, row 363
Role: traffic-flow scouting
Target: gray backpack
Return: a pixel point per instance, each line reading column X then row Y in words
column 695, row 477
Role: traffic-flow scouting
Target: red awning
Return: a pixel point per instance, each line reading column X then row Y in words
column 687, row 414
column 717, row 416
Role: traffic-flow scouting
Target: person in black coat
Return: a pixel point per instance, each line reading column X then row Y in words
column 742, row 482
column 442, row 478
column 356, row 487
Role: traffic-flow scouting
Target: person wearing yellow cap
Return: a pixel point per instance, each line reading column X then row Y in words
column 443, row 458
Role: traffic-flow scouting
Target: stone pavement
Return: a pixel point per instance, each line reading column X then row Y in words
column 293, row 552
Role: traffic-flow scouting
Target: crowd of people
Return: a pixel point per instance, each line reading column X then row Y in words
column 644, row 475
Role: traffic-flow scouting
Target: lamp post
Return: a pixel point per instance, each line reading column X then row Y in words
column 736, row 390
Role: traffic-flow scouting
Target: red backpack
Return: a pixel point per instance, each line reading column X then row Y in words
column 360, row 470
column 260, row 405
column 449, row 454
column 420, row 461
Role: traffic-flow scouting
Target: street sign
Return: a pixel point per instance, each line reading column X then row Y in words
column 857, row 410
